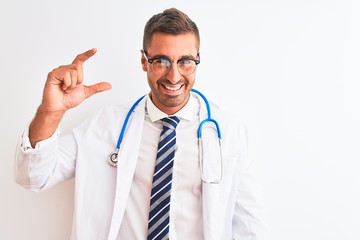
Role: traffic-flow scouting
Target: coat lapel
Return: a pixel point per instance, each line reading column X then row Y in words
column 213, row 206
column 128, row 156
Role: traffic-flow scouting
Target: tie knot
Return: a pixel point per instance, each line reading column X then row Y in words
column 170, row 122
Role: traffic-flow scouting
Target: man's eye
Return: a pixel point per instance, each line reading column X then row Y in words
column 185, row 61
column 162, row 61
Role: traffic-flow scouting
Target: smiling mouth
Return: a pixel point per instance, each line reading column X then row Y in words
column 172, row 88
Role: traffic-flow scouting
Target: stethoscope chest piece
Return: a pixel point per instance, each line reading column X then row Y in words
column 113, row 159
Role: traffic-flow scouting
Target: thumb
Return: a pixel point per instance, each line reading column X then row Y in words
column 96, row 88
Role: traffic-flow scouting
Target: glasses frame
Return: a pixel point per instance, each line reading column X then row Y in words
column 151, row 60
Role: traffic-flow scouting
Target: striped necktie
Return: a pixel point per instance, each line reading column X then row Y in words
column 159, row 217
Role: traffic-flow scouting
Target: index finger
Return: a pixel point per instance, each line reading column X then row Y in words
column 82, row 57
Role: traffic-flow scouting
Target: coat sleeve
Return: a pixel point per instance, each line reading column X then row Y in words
column 47, row 164
column 249, row 220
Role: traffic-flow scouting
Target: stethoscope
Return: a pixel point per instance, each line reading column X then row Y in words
column 113, row 158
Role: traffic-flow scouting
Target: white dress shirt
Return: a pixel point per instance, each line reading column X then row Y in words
column 186, row 200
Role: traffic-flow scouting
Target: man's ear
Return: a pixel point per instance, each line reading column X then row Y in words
column 143, row 61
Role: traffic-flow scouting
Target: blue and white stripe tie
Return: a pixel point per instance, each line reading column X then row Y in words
column 159, row 217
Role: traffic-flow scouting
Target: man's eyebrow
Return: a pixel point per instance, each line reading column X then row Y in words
column 188, row 56
column 160, row 56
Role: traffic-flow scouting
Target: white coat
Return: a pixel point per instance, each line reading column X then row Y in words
column 231, row 209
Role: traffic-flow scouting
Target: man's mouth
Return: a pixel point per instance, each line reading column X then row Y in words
column 172, row 88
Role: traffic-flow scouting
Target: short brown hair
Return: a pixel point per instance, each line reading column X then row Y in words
column 171, row 21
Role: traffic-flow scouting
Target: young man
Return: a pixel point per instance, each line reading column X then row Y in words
column 122, row 202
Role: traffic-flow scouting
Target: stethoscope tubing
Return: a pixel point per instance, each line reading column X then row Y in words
column 113, row 158
column 199, row 132
column 208, row 119
column 122, row 133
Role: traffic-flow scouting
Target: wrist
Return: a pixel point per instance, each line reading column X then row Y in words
column 44, row 124
column 49, row 114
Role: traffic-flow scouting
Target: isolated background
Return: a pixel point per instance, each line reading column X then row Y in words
column 290, row 69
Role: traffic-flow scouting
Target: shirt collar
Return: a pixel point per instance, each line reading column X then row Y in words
column 187, row 112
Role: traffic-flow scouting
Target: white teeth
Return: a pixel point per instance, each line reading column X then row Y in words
column 172, row 88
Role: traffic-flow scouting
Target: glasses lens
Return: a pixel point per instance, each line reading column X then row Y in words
column 186, row 66
column 161, row 66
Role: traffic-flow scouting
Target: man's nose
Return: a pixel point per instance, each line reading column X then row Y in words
column 173, row 75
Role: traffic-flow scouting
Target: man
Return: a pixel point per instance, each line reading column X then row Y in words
column 118, row 202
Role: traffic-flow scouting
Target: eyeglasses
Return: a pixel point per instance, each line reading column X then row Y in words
column 162, row 65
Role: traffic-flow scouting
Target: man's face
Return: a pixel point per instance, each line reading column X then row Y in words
column 171, row 91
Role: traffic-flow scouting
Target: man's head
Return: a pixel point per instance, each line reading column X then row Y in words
column 170, row 55
column 171, row 21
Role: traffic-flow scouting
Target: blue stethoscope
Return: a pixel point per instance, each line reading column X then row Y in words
column 113, row 158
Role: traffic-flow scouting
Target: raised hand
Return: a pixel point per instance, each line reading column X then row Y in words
column 64, row 89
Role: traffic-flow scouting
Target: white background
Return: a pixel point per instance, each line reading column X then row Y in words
column 290, row 69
